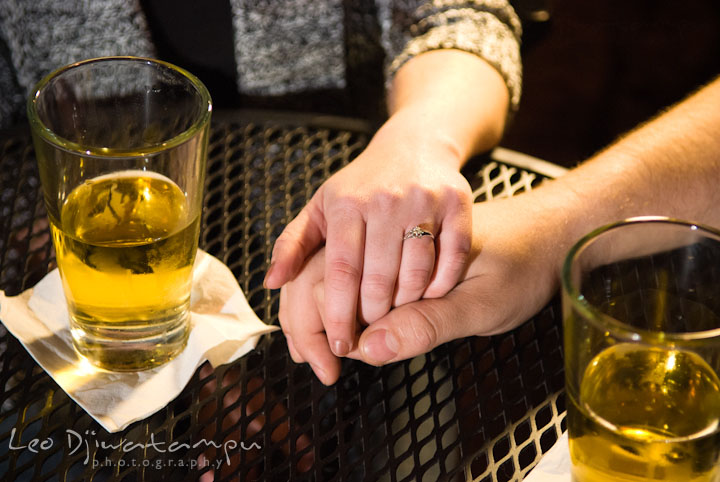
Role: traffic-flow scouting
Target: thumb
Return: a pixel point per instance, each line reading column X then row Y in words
column 300, row 238
column 416, row 328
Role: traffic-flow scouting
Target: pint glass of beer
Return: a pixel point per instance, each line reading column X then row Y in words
column 641, row 305
column 121, row 144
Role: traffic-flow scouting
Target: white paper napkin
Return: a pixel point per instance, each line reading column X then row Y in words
column 554, row 466
column 223, row 328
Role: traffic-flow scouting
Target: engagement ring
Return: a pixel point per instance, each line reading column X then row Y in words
column 418, row 232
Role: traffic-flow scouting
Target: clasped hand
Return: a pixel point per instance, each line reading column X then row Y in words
column 491, row 265
column 359, row 217
column 511, row 274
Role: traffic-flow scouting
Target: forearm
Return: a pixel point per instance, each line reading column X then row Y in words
column 452, row 97
column 669, row 166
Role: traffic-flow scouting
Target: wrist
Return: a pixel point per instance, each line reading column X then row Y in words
column 534, row 229
column 454, row 91
column 412, row 130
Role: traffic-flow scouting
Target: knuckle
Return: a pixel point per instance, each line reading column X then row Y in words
column 337, row 325
column 377, row 287
column 342, row 274
column 345, row 205
column 457, row 259
column 415, row 279
column 457, row 195
column 287, row 240
column 422, row 197
column 451, row 271
column 420, row 330
column 386, row 202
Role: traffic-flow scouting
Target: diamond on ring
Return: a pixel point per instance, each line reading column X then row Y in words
column 418, row 232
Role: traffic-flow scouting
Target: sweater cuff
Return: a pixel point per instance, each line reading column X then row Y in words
column 480, row 33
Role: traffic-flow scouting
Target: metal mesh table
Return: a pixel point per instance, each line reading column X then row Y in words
column 480, row 409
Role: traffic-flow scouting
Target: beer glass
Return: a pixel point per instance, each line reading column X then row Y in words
column 641, row 306
column 121, row 144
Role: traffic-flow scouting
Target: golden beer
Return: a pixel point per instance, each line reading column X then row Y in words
column 125, row 245
column 121, row 145
column 645, row 414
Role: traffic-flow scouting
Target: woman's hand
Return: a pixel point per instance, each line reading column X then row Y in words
column 668, row 166
column 362, row 214
column 517, row 250
column 446, row 105
column 301, row 319
column 518, row 244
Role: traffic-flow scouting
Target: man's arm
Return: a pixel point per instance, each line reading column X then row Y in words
column 669, row 166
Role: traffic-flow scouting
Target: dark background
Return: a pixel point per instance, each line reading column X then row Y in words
column 598, row 68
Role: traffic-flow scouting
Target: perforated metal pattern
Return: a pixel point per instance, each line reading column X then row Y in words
column 475, row 409
column 496, row 180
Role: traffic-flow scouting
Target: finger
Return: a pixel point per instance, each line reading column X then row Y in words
column 343, row 269
column 319, row 294
column 452, row 245
column 300, row 238
column 383, row 249
column 416, row 267
column 415, row 328
column 323, row 362
column 294, row 354
column 307, row 333
column 284, row 324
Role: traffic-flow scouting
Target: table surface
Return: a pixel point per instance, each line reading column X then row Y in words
column 476, row 409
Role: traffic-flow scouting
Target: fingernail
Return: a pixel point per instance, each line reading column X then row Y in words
column 380, row 346
column 267, row 275
column 320, row 373
column 340, row 348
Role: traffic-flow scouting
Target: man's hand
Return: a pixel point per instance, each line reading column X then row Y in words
column 515, row 257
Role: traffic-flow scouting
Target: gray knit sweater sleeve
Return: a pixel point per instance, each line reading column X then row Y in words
column 280, row 47
column 488, row 28
column 43, row 35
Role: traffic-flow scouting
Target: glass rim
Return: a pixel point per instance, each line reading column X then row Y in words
column 103, row 152
column 613, row 325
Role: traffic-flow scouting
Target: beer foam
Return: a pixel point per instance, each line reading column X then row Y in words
column 131, row 173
